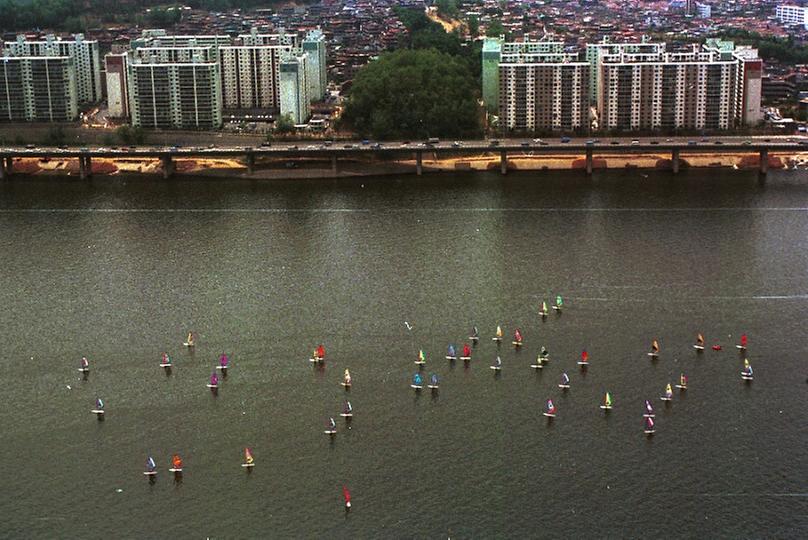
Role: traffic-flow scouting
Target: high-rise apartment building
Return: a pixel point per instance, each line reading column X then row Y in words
column 542, row 88
column 691, row 90
column 637, row 86
column 38, row 88
column 492, row 52
column 85, row 55
column 294, row 88
column 175, row 95
column 251, row 75
column 314, row 46
column 594, row 51
column 176, row 54
column 116, row 71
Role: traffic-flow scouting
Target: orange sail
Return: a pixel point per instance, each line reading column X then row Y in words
column 176, row 461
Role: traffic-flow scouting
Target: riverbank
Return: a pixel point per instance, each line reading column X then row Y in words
column 317, row 168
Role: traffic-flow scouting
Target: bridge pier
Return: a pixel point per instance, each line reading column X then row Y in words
column 419, row 158
column 334, row 168
column 503, row 162
column 9, row 165
column 85, row 167
column 764, row 160
column 675, row 160
column 168, row 166
column 250, row 162
column 2, row 168
column 589, row 158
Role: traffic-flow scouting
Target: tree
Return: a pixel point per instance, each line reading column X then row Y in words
column 447, row 8
column 414, row 93
column 495, row 29
column 474, row 26
column 284, row 124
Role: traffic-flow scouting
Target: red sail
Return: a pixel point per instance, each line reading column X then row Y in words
column 743, row 340
column 466, row 350
column 346, row 495
column 584, row 356
column 320, row 351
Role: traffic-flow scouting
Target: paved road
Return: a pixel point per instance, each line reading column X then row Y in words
column 543, row 145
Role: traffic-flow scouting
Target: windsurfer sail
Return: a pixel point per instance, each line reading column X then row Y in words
column 607, row 402
column 559, row 303
column 417, row 381
column 223, row 361
column 682, row 382
column 654, row 349
column 346, row 379
column 543, row 309
column 475, row 334
column 466, row 352
column 330, row 427
column 347, row 410
column 539, row 363
column 742, row 344
column 746, row 373
column 451, row 353
column 99, row 407
column 584, row 358
column 699, row 345
column 421, row 358
column 433, row 382
column 565, row 381
column 346, row 495
column 176, row 464
column 319, row 354
column 549, row 409
column 650, row 426
column 498, row 335
column 517, row 338
column 249, row 461
column 189, row 341
column 214, row 381
column 151, row 467
column 165, row 360
column 497, row 365
column 649, row 410
column 84, row 365
column 668, row 395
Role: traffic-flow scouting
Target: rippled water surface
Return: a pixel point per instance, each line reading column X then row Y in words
column 120, row 269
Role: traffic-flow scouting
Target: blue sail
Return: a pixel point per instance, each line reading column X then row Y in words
column 416, row 379
column 434, row 380
column 99, row 404
column 150, row 465
column 451, row 351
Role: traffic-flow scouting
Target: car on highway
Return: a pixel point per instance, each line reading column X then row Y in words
column 718, row 142
column 635, row 142
column 538, row 141
column 565, row 140
column 494, row 142
column 590, row 143
column 524, row 144
column 691, row 143
column 456, row 144
column 654, row 142
column 615, row 143
column 30, row 146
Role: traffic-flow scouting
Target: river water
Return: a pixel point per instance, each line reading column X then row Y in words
column 119, row 270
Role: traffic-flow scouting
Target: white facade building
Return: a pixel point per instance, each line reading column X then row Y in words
column 175, row 95
column 38, row 89
column 789, row 14
column 314, row 46
column 85, row 55
column 294, row 89
column 251, row 75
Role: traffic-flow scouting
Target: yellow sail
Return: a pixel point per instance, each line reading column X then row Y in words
column 248, row 457
column 655, row 346
column 499, row 331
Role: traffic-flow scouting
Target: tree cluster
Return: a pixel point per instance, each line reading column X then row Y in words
column 414, row 94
